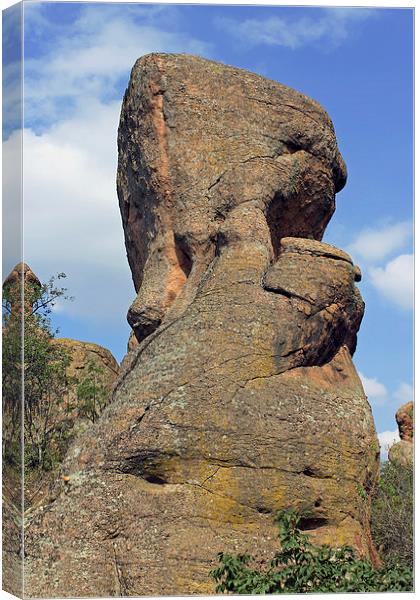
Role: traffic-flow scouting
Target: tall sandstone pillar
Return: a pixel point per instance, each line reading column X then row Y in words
column 241, row 398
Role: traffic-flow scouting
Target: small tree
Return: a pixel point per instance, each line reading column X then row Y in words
column 45, row 387
column 92, row 394
column 34, row 369
column 392, row 515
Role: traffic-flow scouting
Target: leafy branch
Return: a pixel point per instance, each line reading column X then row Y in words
column 302, row 567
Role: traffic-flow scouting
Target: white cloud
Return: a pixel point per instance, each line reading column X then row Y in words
column 71, row 215
column 375, row 390
column 404, row 393
column 333, row 27
column 386, row 440
column 378, row 394
column 396, row 280
column 12, row 96
column 12, row 203
column 393, row 279
column 11, row 74
column 89, row 58
column 373, row 245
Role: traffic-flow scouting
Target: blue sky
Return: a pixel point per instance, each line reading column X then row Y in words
column 356, row 62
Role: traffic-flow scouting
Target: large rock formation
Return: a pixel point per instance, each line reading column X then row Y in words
column 402, row 453
column 241, row 398
column 199, row 144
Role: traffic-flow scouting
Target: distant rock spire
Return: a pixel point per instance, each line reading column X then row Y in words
column 21, row 284
column 402, row 453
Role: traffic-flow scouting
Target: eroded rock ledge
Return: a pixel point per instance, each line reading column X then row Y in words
column 241, row 398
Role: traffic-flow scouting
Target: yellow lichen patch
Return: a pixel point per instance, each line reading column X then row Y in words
column 348, row 532
column 221, row 495
column 190, row 586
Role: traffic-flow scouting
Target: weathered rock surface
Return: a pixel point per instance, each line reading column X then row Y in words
column 132, row 342
column 82, row 353
column 21, row 276
column 405, row 421
column 199, row 142
column 402, row 453
column 241, row 398
column 21, row 283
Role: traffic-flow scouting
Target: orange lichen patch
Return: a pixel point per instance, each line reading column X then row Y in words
column 179, row 263
column 199, row 588
column 158, row 122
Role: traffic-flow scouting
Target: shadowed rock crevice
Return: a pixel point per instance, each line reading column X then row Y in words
column 311, row 523
column 184, row 256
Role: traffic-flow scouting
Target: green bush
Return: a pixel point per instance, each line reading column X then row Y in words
column 92, row 393
column 392, row 516
column 302, row 567
column 28, row 353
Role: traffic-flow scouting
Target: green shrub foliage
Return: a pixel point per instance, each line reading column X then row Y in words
column 392, row 516
column 34, row 376
column 92, row 393
column 302, row 567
